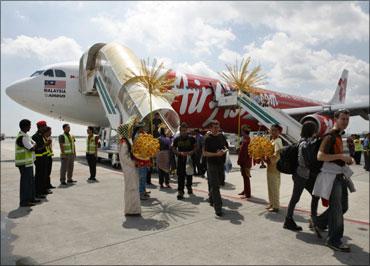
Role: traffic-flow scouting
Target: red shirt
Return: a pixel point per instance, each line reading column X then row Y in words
column 243, row 159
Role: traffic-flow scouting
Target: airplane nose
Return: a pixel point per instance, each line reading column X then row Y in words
column 17, row 91
column 13, row 91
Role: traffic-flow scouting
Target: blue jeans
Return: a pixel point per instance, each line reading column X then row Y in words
column 333, row 216
column 27, row 185
column 142, row 175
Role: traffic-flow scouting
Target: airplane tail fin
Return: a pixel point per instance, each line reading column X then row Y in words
column 340, row 93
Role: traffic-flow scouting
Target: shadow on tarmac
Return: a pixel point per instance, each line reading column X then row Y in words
column 233, row 216
column 167, row 210
column 20, row 212
column 144, row 224
column 357, row 256
column 227, row 186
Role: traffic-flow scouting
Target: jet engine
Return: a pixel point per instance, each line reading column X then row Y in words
column 324, row 123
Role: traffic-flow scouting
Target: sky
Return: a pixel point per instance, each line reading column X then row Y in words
column 302, row 47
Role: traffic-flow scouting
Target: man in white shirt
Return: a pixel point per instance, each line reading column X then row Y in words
column 24, row 158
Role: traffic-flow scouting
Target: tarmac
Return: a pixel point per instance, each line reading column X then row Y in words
column 84, row 223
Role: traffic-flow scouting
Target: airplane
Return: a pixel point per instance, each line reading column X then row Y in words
column 55, row 91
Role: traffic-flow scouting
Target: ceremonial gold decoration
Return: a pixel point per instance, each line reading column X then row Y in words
column 145, row 146
column 260, row 148
column 125, row 130
column 155, row 80
column 241, row 79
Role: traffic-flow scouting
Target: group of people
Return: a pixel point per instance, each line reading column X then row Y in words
column 326, row 176
column 357, row 147
column 37, row 151
column 322, row 170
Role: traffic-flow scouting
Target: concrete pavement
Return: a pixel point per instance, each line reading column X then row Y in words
column 84, row 223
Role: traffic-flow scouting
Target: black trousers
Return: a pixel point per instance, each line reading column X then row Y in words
column 41, row 183
column 198, row 169
column 181, row 176
column 27, row 185
column 299, row 185
column 163, row 177
column 49, row 168
column 91, row 160
column 215, row 173
column 357, row 157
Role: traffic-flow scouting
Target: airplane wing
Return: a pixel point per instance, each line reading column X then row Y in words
column 361, row 109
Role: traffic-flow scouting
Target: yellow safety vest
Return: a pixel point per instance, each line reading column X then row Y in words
column 23, row 157
column 90, row 145
column 48, row 148
column 69, row 147
column 46, row 152
column 358, row 146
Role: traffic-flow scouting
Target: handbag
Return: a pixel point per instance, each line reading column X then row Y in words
column 189, row 166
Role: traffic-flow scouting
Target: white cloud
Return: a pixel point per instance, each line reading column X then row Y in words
column 295, row 68
column 168, row 25
column 47, row 51
column 199, row 68
column 309, row 22
column 229, row 56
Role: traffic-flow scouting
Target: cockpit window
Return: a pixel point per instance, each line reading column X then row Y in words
column 49, row 73
column 60, row 73
column 37, row 73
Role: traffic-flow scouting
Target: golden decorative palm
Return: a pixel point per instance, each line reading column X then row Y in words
column 155, row 79
column 241, row 79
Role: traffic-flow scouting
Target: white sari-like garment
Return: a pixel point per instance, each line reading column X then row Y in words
column 131, row 181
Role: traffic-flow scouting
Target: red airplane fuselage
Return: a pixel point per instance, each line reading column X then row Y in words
column 196, row 106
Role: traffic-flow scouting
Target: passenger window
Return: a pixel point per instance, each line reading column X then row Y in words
column 49, row 73
column 60, row 73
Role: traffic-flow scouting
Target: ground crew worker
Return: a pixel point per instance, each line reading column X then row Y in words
column 67, row 155
column 41, row 162
column 366, row 147
column 92, row 145
column 24, row 158
column 49, row 156
column 358, row 149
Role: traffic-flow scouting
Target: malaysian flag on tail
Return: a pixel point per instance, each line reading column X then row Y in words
column 55, row 84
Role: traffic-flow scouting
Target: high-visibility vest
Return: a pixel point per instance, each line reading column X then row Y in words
column 358, row 146
column 90, row 145
column 69, row 147
column 46, row 152
column 23, row 157
column 48, row 148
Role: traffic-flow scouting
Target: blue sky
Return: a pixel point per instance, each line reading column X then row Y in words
column 302, row 47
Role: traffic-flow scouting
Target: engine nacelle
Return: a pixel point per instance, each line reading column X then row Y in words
column 323, row 123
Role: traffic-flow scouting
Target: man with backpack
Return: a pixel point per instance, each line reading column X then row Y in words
column 305, row 174
column 331, row 151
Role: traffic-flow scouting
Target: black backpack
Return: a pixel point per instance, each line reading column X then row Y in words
column 309, row 152
column 288, row 161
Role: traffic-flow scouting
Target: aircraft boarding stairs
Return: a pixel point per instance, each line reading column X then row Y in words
column 104, row 71
column 269, row 116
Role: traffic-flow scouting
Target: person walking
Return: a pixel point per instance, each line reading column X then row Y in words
column 24, row 158
column 67, row 155
column 92, row 145
column 351, row 145
column 215, row 150
column 331, row 153
column 358, row 149
column 304, row 173
column 273, row 175
column 41, row 162
column 245, row 162
column 183, row 146
column 198, row 170
column 163, row 159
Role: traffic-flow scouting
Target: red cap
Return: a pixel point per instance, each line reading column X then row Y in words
column 41, row 123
